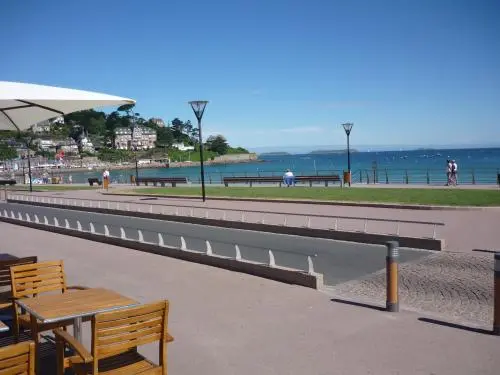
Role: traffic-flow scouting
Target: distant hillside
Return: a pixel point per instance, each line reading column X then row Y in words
column 278, row 153
column 331, row 151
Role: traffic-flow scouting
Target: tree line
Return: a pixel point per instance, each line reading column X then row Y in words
column 101, row 127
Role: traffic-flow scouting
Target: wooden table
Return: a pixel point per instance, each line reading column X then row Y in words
column 75, row 304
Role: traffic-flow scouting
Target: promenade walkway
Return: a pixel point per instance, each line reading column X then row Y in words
column 464, row 230
column 227, row 323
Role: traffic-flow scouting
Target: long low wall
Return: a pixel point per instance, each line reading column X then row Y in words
column 361, row 237
column 291, row 276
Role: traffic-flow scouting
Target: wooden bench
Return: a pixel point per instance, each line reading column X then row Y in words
column 279, row 180
column 94, row 180
column 162, row 181
column 7, row 182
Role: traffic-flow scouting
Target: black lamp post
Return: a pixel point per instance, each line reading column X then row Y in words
column 198, row 107
column 136, row 167
column 348, row 127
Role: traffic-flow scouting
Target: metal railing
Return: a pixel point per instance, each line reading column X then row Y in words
column 429, row 176
column 308, row 220
column 240, row 252
column 426, row 176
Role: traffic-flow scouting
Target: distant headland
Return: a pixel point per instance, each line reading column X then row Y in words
column 315, row 152
column 277, row 153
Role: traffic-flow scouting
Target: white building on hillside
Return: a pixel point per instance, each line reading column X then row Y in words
column 44, row 126
column 138, row 137
column 182, row 147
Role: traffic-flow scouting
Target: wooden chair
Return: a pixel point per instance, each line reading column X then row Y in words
column 29, row 280
column 115, row 338
column 18, row 359
column 5, row 281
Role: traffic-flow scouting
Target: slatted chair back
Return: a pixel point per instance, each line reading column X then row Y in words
column 31, row 279
column 119, row 331
column 5, row 268
column 18, row 359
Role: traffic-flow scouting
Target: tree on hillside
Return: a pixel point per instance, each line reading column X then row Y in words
column 164, row 137
column 7, row 152
column 217, row 144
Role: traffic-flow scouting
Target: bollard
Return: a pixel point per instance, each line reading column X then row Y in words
column 106, row 230
column 139, row 234
column 160, row 240
column 392, row 302
column 496, row 297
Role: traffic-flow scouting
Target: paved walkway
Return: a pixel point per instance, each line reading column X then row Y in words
column 459, row 234
column 230, row 323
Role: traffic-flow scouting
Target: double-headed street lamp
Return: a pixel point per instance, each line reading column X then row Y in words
column 198, row 107
column 348, row 127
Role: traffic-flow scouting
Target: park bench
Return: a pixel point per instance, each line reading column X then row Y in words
column 94, row 180
column 276, row 179
column 162, row 181
column 7, row 182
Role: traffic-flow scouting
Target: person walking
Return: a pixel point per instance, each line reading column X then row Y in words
column 105, row 179
column 454, row 169
column 448, row 172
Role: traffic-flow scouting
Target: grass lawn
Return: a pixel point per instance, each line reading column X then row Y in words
column 53, row 187
column 446, row 197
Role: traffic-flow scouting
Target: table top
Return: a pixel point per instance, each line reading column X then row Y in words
column 3, row 327
column 5, row 256
column 74, row 304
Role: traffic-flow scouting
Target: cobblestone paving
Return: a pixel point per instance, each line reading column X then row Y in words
column 455, row 285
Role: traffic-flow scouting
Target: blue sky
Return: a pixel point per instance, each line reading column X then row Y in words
column 276, row 73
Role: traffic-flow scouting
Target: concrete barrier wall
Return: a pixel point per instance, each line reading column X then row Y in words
column 361, row 237
column 277, row 273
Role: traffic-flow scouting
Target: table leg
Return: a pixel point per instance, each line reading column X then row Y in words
column 77, row 329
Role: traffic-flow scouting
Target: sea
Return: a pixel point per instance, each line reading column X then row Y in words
column 475, row 166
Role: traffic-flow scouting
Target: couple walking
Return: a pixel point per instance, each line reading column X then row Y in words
column 451, row 172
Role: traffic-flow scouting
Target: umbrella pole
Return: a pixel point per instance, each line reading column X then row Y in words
column 29, row 171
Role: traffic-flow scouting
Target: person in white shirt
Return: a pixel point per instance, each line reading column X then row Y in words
column 448, row 172
column 105, row 177
column 288, row 178
column 454, row 169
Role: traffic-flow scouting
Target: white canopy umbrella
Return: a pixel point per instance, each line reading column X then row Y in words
column 24, row 104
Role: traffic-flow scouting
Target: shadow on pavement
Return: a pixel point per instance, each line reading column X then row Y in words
column 457, row 326
column 358, row 304
column 485, row 251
